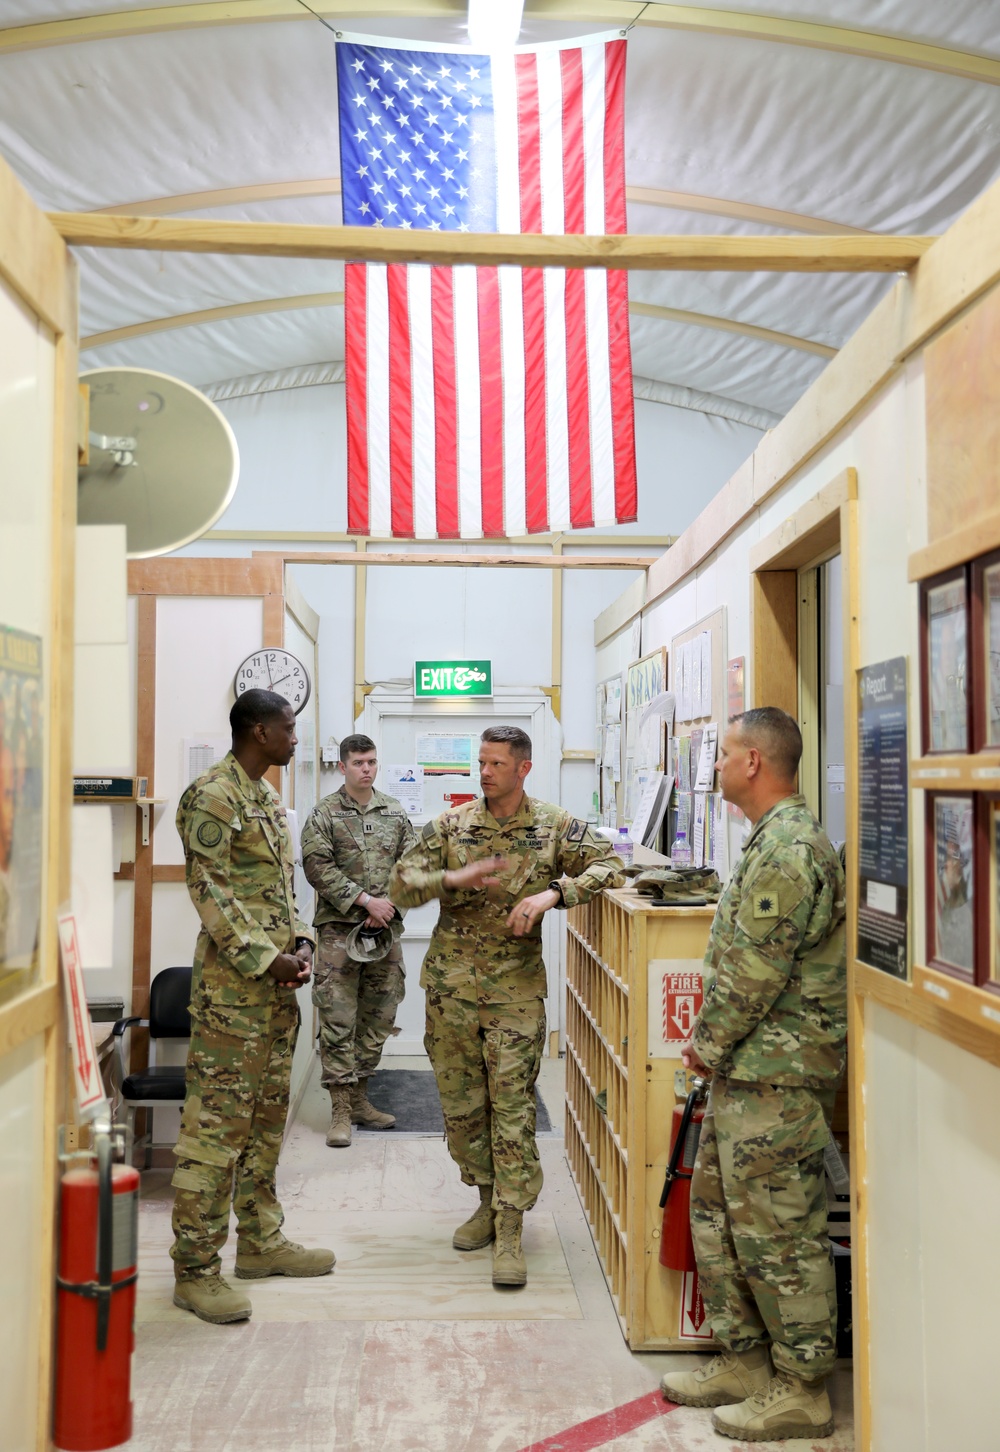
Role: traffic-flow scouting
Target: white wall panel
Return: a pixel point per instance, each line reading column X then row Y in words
column 424, row 613
column 200, row 642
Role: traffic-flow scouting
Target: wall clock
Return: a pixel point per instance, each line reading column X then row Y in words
column 278, row 670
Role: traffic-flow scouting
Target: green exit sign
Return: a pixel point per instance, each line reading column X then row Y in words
column 451, row 679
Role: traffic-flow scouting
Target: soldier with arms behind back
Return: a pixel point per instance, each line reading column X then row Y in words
column 771, row 1034
column 498, row 865
column 350, row 843
column 252, row 954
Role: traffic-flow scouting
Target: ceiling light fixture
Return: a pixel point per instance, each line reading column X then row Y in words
column 494, row 24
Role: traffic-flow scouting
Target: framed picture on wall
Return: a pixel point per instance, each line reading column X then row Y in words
column 985, row 653
column 992, row 886
column 944, row 603
column 951, row 883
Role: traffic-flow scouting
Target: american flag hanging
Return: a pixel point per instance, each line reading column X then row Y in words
column 489, row 401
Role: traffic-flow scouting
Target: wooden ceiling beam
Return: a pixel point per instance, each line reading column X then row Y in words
column 375, row 244
column 330, row 186
column 746, row 25
column 257, row 306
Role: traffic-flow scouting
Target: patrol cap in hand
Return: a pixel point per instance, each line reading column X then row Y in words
column 369, row 945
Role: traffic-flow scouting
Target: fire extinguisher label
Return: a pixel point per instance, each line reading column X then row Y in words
column 675, row 998
column 124, row 1230
column 693, row 1318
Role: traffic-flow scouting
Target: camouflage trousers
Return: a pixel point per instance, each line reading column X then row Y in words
column 486, row 1060
column 235, row 1107
column 357, row 1005
column 758, row 1220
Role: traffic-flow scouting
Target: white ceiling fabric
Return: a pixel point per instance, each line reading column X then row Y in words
column 857, row 141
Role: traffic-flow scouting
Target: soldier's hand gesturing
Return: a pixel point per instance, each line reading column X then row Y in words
column 529, row 910
column 290, row 968
column 474, row 874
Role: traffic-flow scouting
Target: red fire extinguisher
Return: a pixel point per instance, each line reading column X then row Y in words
column 98, row 1252
column 676, row 1245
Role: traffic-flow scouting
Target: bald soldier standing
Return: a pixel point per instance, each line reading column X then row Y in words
column 498, row 865
column 771, row 1035
column 252, row 954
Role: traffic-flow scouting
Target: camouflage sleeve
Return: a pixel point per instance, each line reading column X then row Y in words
column 206, row 829
column 776, row 903
column 586, row 862
column 319, row 863
column 407, row 838
column 419, row 874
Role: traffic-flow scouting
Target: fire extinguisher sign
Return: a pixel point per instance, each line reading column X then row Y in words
column 693, row 1318
column 89, row 1088
column 677, row 984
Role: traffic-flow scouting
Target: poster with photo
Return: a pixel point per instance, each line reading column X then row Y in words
column 22, row 754
column 991, row 647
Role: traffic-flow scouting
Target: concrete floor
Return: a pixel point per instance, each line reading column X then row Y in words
column 407, row 1347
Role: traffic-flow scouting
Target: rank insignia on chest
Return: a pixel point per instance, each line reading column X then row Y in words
column 369, row 828
column 765, row 905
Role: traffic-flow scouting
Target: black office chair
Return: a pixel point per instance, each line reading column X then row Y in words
column 169, row 997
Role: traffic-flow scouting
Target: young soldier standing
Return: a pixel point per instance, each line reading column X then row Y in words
column 350, row 844
column 771, row 1033
column 252, row 953
column 498, row 865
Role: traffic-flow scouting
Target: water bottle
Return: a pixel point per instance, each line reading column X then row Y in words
column 623, row 846
column 680, row 855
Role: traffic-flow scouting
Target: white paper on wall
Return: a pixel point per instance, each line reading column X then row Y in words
column 705, row 645
column 698, row 832
column 705, row 777
column 93, row 890
column 406, row 784
column 201, row 752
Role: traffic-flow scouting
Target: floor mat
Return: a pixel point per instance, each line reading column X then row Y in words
column 412, row 1096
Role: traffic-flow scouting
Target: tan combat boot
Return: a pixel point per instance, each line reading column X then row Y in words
column 509, row 1265
column 363, row 1112
column 478, row 1230
column 212, row 1298
column 732, row 1376
column 787, row 1407
column 339, row 1134
column 284, row 1259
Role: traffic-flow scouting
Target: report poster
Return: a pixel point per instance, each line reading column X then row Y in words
column 883, row 817
column 21, row 758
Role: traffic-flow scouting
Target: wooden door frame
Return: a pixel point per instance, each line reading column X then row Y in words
column 148, row 580
column 38, row 268
column 808, row 536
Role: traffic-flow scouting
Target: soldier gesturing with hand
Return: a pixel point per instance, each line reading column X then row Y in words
column 252, row 953
column 498, row 865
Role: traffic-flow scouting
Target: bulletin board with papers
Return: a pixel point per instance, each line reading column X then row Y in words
column 698, row 831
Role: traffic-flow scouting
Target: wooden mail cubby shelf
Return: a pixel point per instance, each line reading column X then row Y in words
column 620, row 1097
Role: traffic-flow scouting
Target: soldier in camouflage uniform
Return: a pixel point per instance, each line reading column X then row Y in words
column 252, row 953
column 350, row 843
column 498, row 865
column 771, row 1034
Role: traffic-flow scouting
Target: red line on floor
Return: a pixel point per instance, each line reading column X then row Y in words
column 594, row 1433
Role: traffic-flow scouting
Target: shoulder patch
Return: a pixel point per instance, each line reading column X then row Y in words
column 215, row 807
column 765, row 905
column 428, row 833
column 576, row 831
column 209, row 834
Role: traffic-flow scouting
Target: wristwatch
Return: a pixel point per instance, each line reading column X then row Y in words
column 303, row 943
column 557, row 887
